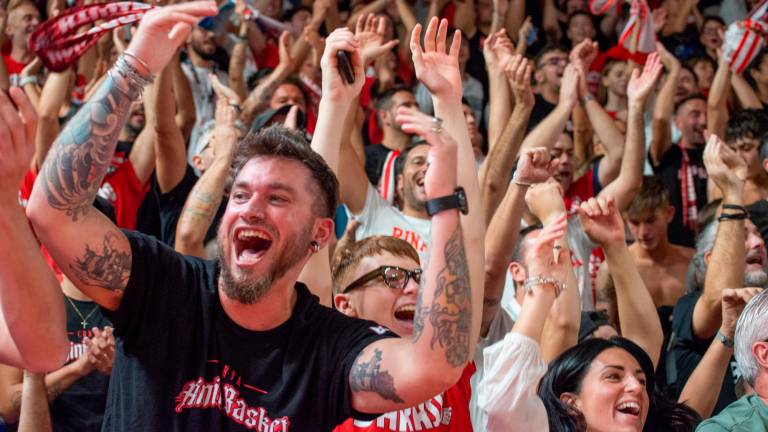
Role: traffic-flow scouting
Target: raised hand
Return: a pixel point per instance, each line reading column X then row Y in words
column 436, row 69
column 18, row 122
column 440, row 179
column 569, row 86
column 284, row 44
column 534, row 166
column 163, row 30
column 334, row 87
column 518, row 71
column 733, row 301
column 640, row 85
column 584, row 53
column 370, row 32
column 669, row 61
column 497, row 49
column 541, row 256
column 545, row 201
column 724, row 166
column 100, row 350
column 522, row 34
column 227, row 114
column 601, row 221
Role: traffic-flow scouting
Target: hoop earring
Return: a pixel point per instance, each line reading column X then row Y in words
column 315, row 246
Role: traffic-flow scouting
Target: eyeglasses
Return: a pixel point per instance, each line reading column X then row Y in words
column 394, row 277
column 555, row 61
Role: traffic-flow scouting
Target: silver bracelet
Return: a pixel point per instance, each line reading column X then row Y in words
column 31, row 79
column 542, row 280
column 133, row 81
column 135, row 57
column 516, row 181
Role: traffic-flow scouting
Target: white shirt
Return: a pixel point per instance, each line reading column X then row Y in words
column 378, row 217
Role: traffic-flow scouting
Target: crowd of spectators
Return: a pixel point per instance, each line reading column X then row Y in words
column 387, row 215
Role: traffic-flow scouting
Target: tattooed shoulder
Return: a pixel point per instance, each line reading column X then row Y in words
column 368, row 377
column 107, row 266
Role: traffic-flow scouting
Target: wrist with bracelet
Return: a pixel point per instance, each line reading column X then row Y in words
column 128, row 78
column 733, row 212
column 518, row 182
column 535, row 281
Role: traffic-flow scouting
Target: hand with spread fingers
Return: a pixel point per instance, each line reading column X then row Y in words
column 370, row 32
column 733, row 302
column 497, row 50
column 18, row 123
column 334, row 87
column 437, row 69
column 163, row 30
column 533, row 166
column 440, row 179
column 602, row 222
column 641, row 84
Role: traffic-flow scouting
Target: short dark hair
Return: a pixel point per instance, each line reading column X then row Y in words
column 748, row 124
column 693, row 61
column 403, row 156
column 288, row 15
column 689, row 98
column 546, row 50
column 384, row 99
column 755, row 64
column 277, row 141
column 709, row 18
column 653, row 195
column 582, row 12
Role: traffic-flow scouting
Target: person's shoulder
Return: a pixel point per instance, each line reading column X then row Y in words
column 739, row 416
column 682, row 253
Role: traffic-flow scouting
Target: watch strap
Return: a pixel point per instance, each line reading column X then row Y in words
column 456, row 200
column 728, row 342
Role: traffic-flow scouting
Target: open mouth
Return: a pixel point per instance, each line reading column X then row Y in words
column 251, row 245
column 405, row 313
column 629, row 408
column 754, row 259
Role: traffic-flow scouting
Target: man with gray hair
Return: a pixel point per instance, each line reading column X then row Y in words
column 750, row 413
column 730, row 253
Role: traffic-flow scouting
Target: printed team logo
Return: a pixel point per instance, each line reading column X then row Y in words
column 379, row 330
column 223, row 393
column 428, row 415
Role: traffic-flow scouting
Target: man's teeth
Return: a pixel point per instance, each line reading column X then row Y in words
column 632, row 407
column 406, row 308
column 246, row 234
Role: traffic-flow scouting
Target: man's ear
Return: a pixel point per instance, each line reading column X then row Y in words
column 760, row 353
column 323, row 231
column 344, row 305
column 197, row 162
column 707, row 256
column 400, row 185
column 670, row 213
column 538, row 76
column 764, row 163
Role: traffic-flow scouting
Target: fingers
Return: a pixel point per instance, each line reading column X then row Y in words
column 28, row 115
column 10, row 126
column 455, row 45
column 179, row 33
column 429, row 35
column 596, row 207
column 291, row 117
column 416, row 51
column 442, row 35
column 360, row 24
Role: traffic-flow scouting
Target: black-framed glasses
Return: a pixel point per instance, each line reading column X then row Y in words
column 394, row 277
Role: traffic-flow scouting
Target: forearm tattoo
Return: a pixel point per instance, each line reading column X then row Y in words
column 81, row 155
column 368, row 377
column 108, row 268
column 450, row 313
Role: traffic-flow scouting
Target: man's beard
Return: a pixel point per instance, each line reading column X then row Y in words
column 250, row 291
column 756, row 279
column 202, row 54
column 409, row 197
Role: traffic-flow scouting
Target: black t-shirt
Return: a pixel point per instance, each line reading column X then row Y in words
column 81, row 406
column 375, row 155
column 186, row 366
column 668, row 171
column 541, row 109
column 687, row 351
column 171, row 203
column 758, row 214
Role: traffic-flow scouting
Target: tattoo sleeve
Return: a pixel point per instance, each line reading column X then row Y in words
column 451, row 308
column 82, row 153
column 368, row 377
column 107, row 268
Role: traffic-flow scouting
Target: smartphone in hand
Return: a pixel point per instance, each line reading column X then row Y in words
column 345, row 66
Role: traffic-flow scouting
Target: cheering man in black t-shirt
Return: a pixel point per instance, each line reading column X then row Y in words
column 238, row 344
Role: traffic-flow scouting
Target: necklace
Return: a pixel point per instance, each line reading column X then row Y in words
column 84, row 319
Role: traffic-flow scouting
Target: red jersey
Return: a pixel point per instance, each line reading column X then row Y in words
column 123, row 189
column 24, row 192
column 13, row 67
column 445, row 412
column 580, row 191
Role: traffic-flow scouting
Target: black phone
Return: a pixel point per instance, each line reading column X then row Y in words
column 345, row 66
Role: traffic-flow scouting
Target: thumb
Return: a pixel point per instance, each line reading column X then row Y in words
column 179, row 33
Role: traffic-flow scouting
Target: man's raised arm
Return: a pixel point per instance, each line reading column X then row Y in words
column 91, row 250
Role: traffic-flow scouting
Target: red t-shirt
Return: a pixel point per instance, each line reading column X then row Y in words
column 13, row 67
column 123, row 189
column 580, row 191
column 270, row 55
column 24, row 192
column 446, row 412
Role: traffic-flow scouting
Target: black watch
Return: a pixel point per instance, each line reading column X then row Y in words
column 458, row 199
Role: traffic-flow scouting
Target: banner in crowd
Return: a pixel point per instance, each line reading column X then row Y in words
column 638, row 35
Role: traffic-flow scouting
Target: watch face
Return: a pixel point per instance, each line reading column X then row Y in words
column 462, row 198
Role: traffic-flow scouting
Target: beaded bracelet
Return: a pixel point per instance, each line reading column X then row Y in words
column 133, row 81
column 542, row 280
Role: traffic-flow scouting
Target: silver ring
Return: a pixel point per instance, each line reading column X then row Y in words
column 437, row 121
column 437, row 129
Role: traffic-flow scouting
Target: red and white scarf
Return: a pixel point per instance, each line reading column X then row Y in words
column 57, row 41
column 638, row 35
column 745, row 39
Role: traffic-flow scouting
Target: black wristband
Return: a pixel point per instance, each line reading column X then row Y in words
column 727, row 217
column 735, row 207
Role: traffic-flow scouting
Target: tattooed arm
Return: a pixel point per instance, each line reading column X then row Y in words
column 92, row 252
column 386, row 375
